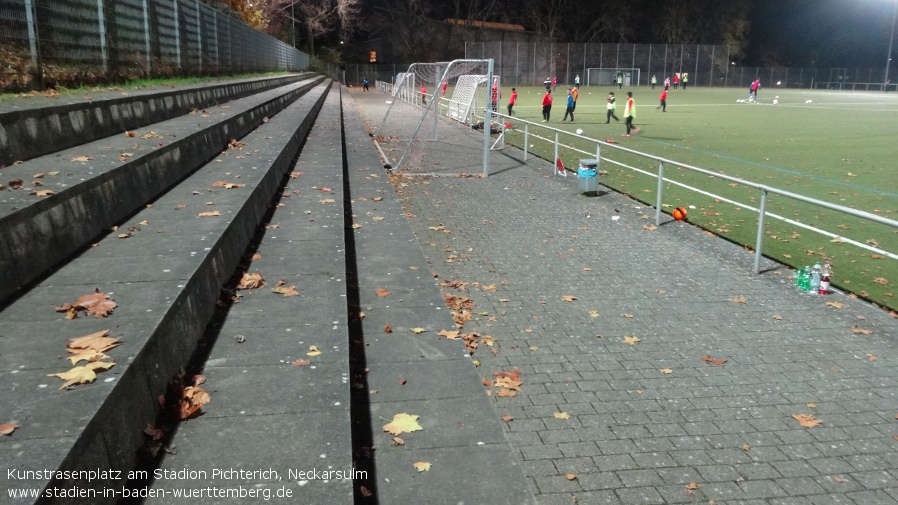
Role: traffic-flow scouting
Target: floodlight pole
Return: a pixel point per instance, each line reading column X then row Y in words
column 891, row 41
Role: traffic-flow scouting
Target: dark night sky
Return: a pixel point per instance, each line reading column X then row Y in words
column 845, row 33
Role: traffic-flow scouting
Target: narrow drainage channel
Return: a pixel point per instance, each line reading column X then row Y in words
column 364, row 489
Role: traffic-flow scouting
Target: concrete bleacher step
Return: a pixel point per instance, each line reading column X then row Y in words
column 299, row 416
column 166, row 276
column 45, row 125
column 98, row 184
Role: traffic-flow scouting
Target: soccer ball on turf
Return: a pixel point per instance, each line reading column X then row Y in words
column 579, row 131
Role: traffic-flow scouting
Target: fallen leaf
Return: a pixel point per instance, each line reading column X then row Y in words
column 450, row 334
column 871, row 357
column 97, row 304
column 326, row 200
column 388, row 328
column 568, row 298
column 422, row 466
column 594, row 313
column 211, row 213
column 562, row 415
column 82, row 158
column 713, row 361
column 418, row 331
column 301, row 362
column 251, row 281
column 82, row 374
column 777, row 317
column 628, row 315
column 403, row 423
column 692, row 486
column 666, row 371
column 403, row 381
column 313, row 351
column 738, row 299
column 631, row 340
column 837, row 478
column 192, row 400
column 507, row 418
column 286, row 290
column 365, row 492
column 649, row 227
column 7, row 428
column 381, row 292
column 881, row 280
column 860, row 331
column 746, row 447
column 837, row 305
column 811, row 405
column 154, row 432
column 43, row 192
column 807, row 420
column 570, row 476
column 396, row 441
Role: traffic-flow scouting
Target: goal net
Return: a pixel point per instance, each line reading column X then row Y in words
column 431, row 104
column 609, row 76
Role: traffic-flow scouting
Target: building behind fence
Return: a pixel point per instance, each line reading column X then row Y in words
column 528, row 64
column 87, row 41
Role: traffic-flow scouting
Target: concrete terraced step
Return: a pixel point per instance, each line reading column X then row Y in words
column 98, row 184
column 37, row 126
column 266, row 413
column 165, row 277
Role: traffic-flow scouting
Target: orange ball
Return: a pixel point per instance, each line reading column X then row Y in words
column 679, row 214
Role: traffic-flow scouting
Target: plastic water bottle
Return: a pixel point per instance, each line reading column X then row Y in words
column 805, row 278
column 816, row 270
column 824, row 278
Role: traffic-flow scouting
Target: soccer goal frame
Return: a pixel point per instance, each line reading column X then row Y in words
column 463, row 106
column 607, row 76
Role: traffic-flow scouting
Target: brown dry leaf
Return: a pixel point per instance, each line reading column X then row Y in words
column 422, row 466
column 82, row 374
column 860, row 331
column 7, row 428
column 381, row 292
column 97, row 304
column 746, row 447
column 505, row 392
column 450, row 334
column 313, row 351
column 837, row 478
column 649, row 227
column 82, row 158
column 418, row 330
column 881, row 280
column 326, row 200
column 631, row 340
column 871, row 357
column 666, row 371
column 154, row 432
column 192, row 400
column 777, row 317
column 570, row 476
column 562, row 415
column 507, row 418
column 713, row 361
column 738, row 299
column 837, row 305
column 692, row 486
column 807, row 420
column 286, row 290
column 301, row 362
column 129, row 134
column 568, row 298
column 628, row 315
column 402, row 423
column 43, row 192
column 388, row 328
column 211, row 213
column 594, row 313
column 251, row 281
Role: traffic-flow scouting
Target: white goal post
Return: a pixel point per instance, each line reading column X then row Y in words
column 420, row 109
column 608, row 76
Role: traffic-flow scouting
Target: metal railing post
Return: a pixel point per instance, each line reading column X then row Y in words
column 659, row 196
column 146, row 35
column 32, row 32
column 101, row 20
column 526, row 140
column 759, row 242
column 555, row 159
column 177, row 34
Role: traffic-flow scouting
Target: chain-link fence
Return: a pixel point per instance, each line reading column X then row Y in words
column 73, row 42
column 528, row 64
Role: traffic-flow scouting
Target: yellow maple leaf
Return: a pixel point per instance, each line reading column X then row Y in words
column 82, row 374
column 313, row 351
column 666, row 371
column 403, row 423
column 422, row 466
column 631, row 340
column 286, row 290
column 837, row 305
column 562, row 415
column 418, row 331
column 738, row 299
column 594, row 313
column 568, row 298
column 211, row 213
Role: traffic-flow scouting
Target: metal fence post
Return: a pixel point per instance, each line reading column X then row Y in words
column 146, row 35
column 177, row 34
column 555, row 159
column 526, row 138
column 199, row 35
column 759, row 242
column 32, row 33
column 486, row 120
column 101, row 20
column 659, row 196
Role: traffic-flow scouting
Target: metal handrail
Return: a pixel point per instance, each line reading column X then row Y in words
column 762, row 188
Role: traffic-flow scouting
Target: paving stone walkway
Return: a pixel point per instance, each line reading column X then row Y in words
column 616, row 329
